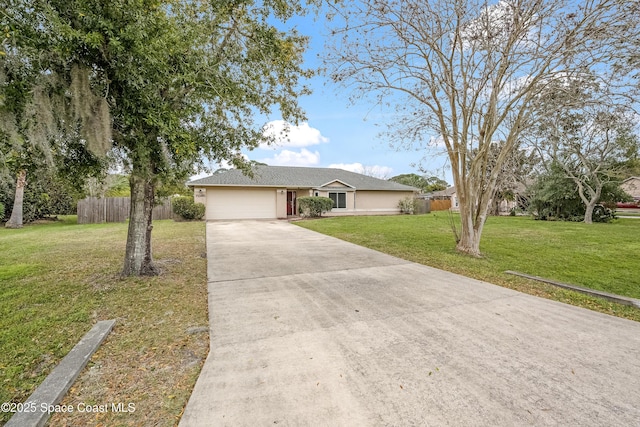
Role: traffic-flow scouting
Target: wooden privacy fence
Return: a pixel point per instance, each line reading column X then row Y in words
column 440, row 205
column 94, row 210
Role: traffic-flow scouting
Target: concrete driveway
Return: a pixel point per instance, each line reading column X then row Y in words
column 308, row 330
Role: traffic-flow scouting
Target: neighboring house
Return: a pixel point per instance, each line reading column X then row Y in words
column 273, row 192
column 448, row 194
column 632, row 187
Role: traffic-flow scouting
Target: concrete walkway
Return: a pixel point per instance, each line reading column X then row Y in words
column 308, row 330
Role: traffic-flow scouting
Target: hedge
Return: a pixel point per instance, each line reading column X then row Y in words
column 314, row 206
column 187, row 209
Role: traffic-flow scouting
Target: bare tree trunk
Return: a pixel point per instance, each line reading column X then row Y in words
column 16, row 213
column 138, row 259
column 591, row 201
column 471, row 225
column 589, row 205
column 469, row 240
column 588, row 213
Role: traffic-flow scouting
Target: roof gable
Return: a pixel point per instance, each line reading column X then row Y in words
column 336, row 183
column 631, row 186
column 449, row 191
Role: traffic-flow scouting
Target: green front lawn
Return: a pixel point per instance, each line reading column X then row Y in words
column 598, row 256
column 57, row 279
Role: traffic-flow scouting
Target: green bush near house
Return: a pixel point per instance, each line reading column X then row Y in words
column 187, row 209
column 314, row 206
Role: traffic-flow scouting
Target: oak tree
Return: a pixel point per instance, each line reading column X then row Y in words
column 168, row 83
column 591, row 141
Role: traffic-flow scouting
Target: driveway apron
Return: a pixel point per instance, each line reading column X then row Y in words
column 308, row 330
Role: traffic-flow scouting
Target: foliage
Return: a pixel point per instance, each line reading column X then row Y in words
column 554, row 196
column 314, row 206
column 462, row 74
column 107, row 186
column 601, row 256
column 515, row 171
column 407, row 205
column 590, row 138
column 166, row 84
column 424, row 183
column 45, row 195
column 173, row 189
column 602, row 213
column 1, row 212
column 42, row 128
column 187, row 209
column 435, row 184
column 118, row 186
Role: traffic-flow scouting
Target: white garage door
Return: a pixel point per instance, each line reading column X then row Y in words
column 241, row 203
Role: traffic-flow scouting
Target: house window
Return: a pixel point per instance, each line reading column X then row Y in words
column 339, row 199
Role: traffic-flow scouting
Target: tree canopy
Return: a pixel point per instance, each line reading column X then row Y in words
column 164, row 84
column 586, row 133
column 553, row 195
column 425, row 183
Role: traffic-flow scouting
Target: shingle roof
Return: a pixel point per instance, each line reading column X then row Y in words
column 289, row 176
column 449, row 191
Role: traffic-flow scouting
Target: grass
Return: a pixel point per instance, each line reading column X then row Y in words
column 597, row 256
column 58, row 279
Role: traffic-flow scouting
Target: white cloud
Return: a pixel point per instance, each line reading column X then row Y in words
column 353, row 167
column 287, row 135
column 293, row 158
column 376, row 171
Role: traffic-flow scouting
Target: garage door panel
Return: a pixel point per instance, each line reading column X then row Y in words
column 241, row 204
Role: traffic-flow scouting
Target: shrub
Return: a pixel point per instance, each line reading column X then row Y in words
column 187, row 209
column 314, row 206
column 602, row 213
column 1, row 212
column 407, row 205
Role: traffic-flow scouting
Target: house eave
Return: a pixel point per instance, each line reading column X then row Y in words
column 299, row 187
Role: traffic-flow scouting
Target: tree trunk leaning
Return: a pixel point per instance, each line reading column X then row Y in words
column 588, row 213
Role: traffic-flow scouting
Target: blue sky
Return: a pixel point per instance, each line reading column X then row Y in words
column 338, row 134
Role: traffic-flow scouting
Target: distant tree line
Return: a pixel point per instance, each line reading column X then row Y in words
column 426, row 184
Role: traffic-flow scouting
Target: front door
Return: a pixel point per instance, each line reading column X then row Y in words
column 291, row 202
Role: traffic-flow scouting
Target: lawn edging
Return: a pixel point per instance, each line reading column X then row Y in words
column 37, row 408
column 601, row 294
